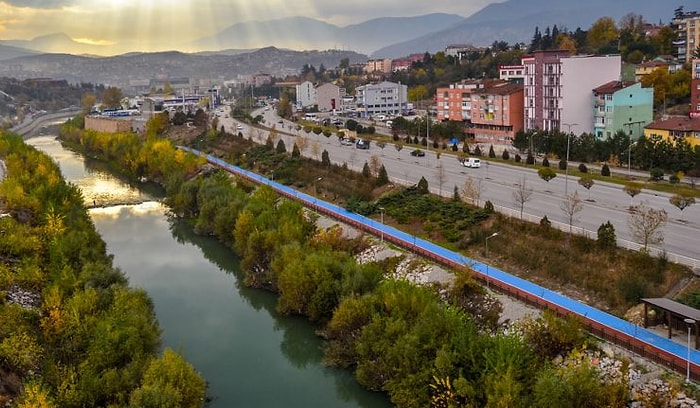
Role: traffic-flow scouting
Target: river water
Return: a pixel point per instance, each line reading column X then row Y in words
column 249, row 355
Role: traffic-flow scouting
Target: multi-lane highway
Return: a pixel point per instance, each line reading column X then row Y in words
column 608, row 202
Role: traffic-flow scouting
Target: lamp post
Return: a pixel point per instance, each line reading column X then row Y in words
column 486, row 242
column 381, row 211
column 315, row 181
column 566, row 172
column 690, row 322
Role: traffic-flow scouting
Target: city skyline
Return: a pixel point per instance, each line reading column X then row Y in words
column 156, row 25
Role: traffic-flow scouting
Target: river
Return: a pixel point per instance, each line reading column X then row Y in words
column 249, row 354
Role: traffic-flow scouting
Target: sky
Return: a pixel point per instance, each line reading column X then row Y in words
column 153, row 25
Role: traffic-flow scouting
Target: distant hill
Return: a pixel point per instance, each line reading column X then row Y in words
column 515, row 21
column 9, row 52
column 119, row 70
column 307, row 33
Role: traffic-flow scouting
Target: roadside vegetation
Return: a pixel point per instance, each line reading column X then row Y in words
column 424, row 346
column 72, row 332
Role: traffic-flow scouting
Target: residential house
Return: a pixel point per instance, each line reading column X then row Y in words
column 512, row 73
column 687, row 27
column 647, row 67
column 460, row 51
column 695, row 89
column 625, row 106
column 558, row 89
column 387, row 98
column 673, row 128
column 306, row 94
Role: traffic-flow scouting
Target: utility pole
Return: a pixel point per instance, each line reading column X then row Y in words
column 566, row 172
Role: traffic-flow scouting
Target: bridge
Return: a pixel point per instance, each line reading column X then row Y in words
column 637, row 339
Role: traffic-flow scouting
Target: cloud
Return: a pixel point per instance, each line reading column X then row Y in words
column 42, row 4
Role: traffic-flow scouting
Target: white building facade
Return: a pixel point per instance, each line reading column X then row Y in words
column 329, row 97
column 386, row 98
column 306, row 94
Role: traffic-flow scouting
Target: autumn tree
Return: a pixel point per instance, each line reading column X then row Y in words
column 681, row 202
column 586, row 181
column 632, row 189
column 546, row 174
column 87, row 102
column 646, row 225
column 472, row 190
column 601, row 34
column 112, row 97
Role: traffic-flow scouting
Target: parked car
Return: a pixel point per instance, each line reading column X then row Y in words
column 418, row 153
column 346, row 142
column 471, row 162
column 239, row 127
column 362, row 144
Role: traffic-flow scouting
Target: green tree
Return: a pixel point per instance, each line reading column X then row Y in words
column 325, row 158
column 169, row 382
column 632, row 188
column 423, row 186
column 586, row 181
column 112, row 97
column 607, row 238
column 681, row 202
column 295, row 151
column 601, row 34
column 382, row 176
column 280, row 148
column 546, row 173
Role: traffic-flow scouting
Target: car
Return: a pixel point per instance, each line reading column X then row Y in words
column 418, row 153
column 280, row 121
column 471, row 162
column 239, row 127
column 362, row 144
column 346, row 142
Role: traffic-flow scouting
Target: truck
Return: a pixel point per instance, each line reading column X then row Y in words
column 471, row 162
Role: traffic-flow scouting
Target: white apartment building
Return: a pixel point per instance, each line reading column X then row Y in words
column 558, row 89
column 386, row 98
column 306, row 94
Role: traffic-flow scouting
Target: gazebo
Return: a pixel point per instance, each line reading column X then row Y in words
column 674, row 312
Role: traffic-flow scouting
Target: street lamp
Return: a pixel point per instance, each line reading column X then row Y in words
column 566, row 172
column 690, row 322
column 315, row 181
column 381, row 211
column 486, row 242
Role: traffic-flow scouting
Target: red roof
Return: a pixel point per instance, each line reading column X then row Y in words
column 677, row 123
column 612, row 87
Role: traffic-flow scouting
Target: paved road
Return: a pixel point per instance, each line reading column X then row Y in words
column 604, row 202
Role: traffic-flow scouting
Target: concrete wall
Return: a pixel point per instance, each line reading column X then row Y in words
column 109, row 125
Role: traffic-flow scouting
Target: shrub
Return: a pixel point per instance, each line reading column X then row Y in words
column 606, row 236
column 656, row 174
column 492, row 153
column 518, row 159
column 545, row 223
column 674, row 179
column 605, row 170
column 477, row 151
column 545, row 162
column 582, row 168
column 505, row 155
column 562, row 164
column 530, row 159
column 488, row 207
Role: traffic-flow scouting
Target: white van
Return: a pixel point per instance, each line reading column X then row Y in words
column 471, row 162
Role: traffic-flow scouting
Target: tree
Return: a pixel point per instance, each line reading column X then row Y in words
column 87, row 102
column 601, row 34
column 472, row 190
column 586, row 181
column 605, row 170
column 374, row 164
column 571, row 206
column 325, row 158
column 545, row 162
column 521, row 195
column 112, row 97
column 546, row 174
column 681, row 201
column 606, row 236
column 632, row 188
column 398, row 146
column 440, row 176
column 295, row 150
column 382, row 176
column 280, row 148
column 492, row 153
column 646, row 225
column 423, row 186
column 381, row 145
column 366, row 172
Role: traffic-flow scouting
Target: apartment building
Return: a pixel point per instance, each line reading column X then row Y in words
column 492, row 109
column 460, row 51
column 378, row 65
column 306, row 94
column 387, row 98
column 557, row 89
column 512, row 73
column 673, row 128
column 625, row 106
column 695, row 89
column 687, row 27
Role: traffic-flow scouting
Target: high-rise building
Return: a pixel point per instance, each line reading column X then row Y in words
column 687, row 27
column 558, row 89
column 695, row 89
column 622, row 106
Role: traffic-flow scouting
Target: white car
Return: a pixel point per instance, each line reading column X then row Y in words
column 471, row 162
column 239, row 127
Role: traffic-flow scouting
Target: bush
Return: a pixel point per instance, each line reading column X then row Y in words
column 530, row 159
column 488, row 207
column 477, row 151
column 656, row 174
column 605, row 170
column 562, row 164
column 582, row 168
column 545, row 223
column 674, row 179
column 492, row 153
column 518, row 159
column 505, row 155
column 545, row 162
column 606, row 236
